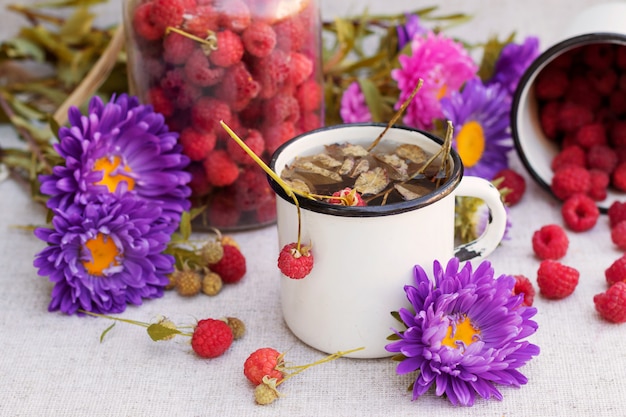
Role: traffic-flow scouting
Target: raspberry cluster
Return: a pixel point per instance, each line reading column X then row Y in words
column 247, row 63
column 582, row 106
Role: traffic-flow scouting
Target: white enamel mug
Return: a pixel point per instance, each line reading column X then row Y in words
column 364, row 256
column 600, row 24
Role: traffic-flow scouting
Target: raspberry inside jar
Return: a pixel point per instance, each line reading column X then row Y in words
column 255, row 64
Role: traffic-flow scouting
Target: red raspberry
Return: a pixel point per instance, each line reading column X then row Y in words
column 599, row 184
column 271, row 72
column 591, row 135
column 232, row 267
column 617, row 134
column 611, row 305
column 294, row 263
column 254, row 141
column 551, row 83
column 166, row 13
column 251, row 189
column 234, row 15
column 238, row 87
column 574, row 155
column 143, row 25
column 598, row 55
column 352, row 198
column 211, row 338
column 556, row 280
column 280, row 109
column 524, row 286
column 182, row 93
column 309, row 95
column 602, row 157
column 617, row 102
column 223, row 213
column 548, row 119
column 177, row 48
column 259, row 39
column 580, row 212
column 160, row 102
column 603, row 80
column 229, row 49
column 276, row 135
column 581, row 92
column 617, row 271
column 620, row 57
column 550, row 242
column 618, row 235
column 196, row 144
column 573, row 116
column 301, row 68
column 616, row 213
column 513, row 182
column 618, row 177
column 200, row 72
column 263, row 362
column 198, row 184
column 290, row 34
column 202, row 21
column 207, row 112
column 220, row 169
column 570, row 180
column 308, row 121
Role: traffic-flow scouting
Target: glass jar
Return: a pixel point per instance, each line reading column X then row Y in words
column 254, row 64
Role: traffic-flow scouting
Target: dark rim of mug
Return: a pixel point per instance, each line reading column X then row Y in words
column 531, row 73
column 370, row 211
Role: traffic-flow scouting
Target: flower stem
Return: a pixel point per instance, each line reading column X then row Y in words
column 301, row 368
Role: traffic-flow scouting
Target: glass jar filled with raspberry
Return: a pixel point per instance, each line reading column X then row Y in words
column 255, row 64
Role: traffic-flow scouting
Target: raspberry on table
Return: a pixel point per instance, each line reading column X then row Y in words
column 294, row 263
column 524, row 286
column 580, row 213
column 617, row 271
column 513, row 182
column 263, row 362
column 618, row 177
column 618, row 235
column 611, row 305
column 555, row 280
column 550, row 242
column 211, row 338
column 570, row 180
column 599, row 185
column 616, row 213
column 232, row 267
column 229, row 49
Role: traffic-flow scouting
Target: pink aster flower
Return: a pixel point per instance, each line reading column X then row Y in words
column 353, row 106
column 443, row 64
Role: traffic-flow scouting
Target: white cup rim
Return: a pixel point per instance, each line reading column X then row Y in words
column 368, row 211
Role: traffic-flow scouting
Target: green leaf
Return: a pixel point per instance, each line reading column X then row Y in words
column 373, row 99
column 77, row 27
column 185, row 225
column 69, row 3
column 158, row 332
column 20, row 48
column 106, row 331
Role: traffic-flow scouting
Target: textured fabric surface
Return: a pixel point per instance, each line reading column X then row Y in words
column 52, row 364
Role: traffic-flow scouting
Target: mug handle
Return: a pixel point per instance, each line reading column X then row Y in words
column 496, row 226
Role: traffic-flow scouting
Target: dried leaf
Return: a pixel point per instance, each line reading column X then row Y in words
column 372, row 182
column 77, row 27
column 413, row 153
column 157, row 332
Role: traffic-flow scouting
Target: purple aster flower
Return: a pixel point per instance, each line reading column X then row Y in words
column 409, row 30
column 464, row 334
column 514, row 59
column 443, row 65
column 480, row 117
column 105, row 254
column 353, row 106
column 117, row 148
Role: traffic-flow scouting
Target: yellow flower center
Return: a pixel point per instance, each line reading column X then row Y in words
column 442, row 92
column 462, row 332
column 104, row 254
column 470, row 143
column 112, row 175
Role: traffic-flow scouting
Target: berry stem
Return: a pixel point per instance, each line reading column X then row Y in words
column 210, row 42
column 301, row 368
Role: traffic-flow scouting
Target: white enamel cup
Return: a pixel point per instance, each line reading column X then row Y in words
column 364, row 256
column 603, row 23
